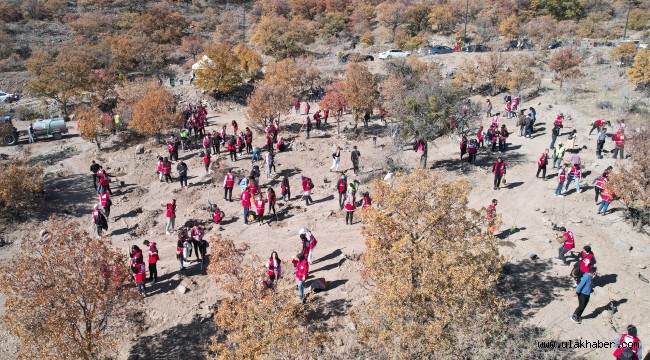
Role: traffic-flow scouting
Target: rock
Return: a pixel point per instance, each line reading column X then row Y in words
column 533, row 256
column 352, row 326
column 181, row 289
column 139, row 149
column 543, row 211
column 576, row 221
column 43, row 233
column 642, row 278
column 642, row 266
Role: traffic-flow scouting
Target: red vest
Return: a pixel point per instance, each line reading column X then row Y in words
column 160, row 165
column 103, row 198
column 196, row 233
column 500, row 168
column 229, row 180
column 490, row 213
column 274, row 267
column 570, row 242
column 600, row 122
column 575, row 172
column 141, row 275
column 96, row 215
column 217, row 215
column 562, row 174
column 270, row 197
column 542, row 160
column 349, row 202
column 495, row 120
column 171, row 147
column 259, row 207
column 342, row 186
column 601, row 183
column 245, row 199
column 153, row 254
column 606, row 195
column 171, row 210
column 630, row 342
column 301, row 270
column 587, row 261
column 619, row 139
column 206, row 141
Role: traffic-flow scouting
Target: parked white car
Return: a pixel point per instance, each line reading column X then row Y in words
column 5, row 97
column 393, row 53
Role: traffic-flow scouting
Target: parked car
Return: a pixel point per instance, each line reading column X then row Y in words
column 356, row 57
column 554, row 44
column 476, row 48
column 393, row 53
column 6, row 97
column 637, row 43
column 437, row 49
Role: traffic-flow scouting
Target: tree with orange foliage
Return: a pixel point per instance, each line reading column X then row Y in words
column 72, row 307
column 160, row 24
column 21, row 185
column 268, row 101
column 639, row 72
column 625, row 53
column 391, row 15
column 61, row 75
column 255, row 321
column 90, row 124
column 307, row 9
column 281, row 38
column 360, row 89
column 192, row 45
column 226, row 67
column 298, row 75
column 441, row 278
column 335, row 101
column 565, row 63
column 154, row 113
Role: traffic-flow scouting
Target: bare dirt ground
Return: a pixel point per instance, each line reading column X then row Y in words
column 178, row 325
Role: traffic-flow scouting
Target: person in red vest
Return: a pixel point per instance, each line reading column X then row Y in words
column 307, row 108
column 285, row 188
column 173, row 150
column 463, row 146
column 341, row 187
column 586, row 261
column 628, row 345
column 222, row 135
column 271, row 199
column 274, row 267
column 307, row 186
column 317, row 118
column 235, row 127
column 160, row 168
column 308, row 243
column 480, row 135
column 491, row 216
column 249, row 140
column 307, row 126
column 207, row 143
column 196, row 234
column 245, row 203
column 567, row 242
column 619, row 141
column 260, row 204
column 561, row 178
column 228, row 183
column 217, row 216
column 302, row 271
column 350, row 206
column 607, row 196
column 599, row 185
column 558, row 120
column 599, row 123
column 366, row 201
column 99, row 220
column 206, row 161
column 326, row 114
column 232, row 149
column 167, row 170
column 171, row 216
column 152, row 260
column 541, row 164
column 575, row 174
column 104, row 181
column 140, row 275
column 296, row 106
column 105, row 201
column 499, row 170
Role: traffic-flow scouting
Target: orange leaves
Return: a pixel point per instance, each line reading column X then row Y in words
column 565, row 64
column 360, row 88
column 432, row 268
column 21, row 185
column 89, row 123
column 68, row 307
column 153, row 113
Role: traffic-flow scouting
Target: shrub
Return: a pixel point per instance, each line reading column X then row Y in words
column 18, row 197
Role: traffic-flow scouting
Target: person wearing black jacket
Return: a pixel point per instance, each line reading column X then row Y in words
column 182, row 173
column 355, row 160
column 94, row 167
column 554, row 134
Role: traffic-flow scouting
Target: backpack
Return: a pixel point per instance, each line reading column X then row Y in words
column 310, row 184
column 556, row 131
column 627, row 354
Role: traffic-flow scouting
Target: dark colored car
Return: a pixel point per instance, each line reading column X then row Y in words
column 438, row 49
column 476, row 48
column 554, row 44
column 356, row 57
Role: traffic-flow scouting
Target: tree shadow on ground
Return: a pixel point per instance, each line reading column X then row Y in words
column 183, row 341
column 67, row 195
column 55, row 156
column 529, row 287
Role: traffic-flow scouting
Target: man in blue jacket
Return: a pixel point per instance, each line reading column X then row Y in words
column 583, row 291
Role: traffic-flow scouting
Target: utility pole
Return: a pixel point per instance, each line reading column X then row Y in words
column 466, row 15
column 243, row 35
column 627, row 19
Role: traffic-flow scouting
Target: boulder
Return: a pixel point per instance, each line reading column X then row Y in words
column 182, row 289
column 139, row 149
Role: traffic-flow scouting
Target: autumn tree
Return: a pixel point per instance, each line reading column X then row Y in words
column 297, row 75
column 639, row 72
column 625, row 53
column 335, row 101
column 193, row 45
column 268, row 101
column 153, row 113
column 254, row 321
column 129, row 94
column 391, row 15
column 522, row 73
column 560, row 9
column 62, row 75
column 281, row 38
column 21, row 187
column 488, row 71
column 629, row 182
column 226, row 67
column 307, row 9
column 360, row 89
column 160, row 24
column 441, row 280
column 90, row 124
column 639, row 19
column 73, row 307
column 565, row 63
